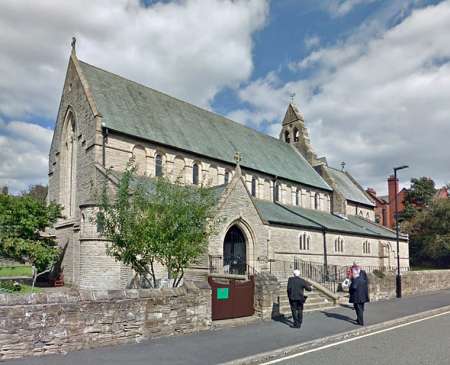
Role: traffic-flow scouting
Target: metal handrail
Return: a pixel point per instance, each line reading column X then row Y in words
column 330, row 276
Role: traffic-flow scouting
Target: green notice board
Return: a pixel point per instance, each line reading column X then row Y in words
column 222, row 293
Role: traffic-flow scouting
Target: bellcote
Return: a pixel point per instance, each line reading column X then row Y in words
column 294, row 132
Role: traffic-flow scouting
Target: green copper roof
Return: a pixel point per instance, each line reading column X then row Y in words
column 296, row 216
column 277, row 213
column 139, row 111
column 348, row 188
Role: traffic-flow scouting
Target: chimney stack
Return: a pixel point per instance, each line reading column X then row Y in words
column 392, row 188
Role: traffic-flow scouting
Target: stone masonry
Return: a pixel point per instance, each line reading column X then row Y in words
column 40, row 324
column 413, row 282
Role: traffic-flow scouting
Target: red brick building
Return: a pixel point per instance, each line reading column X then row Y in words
column 385, row 205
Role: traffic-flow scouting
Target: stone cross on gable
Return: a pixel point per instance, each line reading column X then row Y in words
column 292, row 97
column 237, row 157
column 73, row 44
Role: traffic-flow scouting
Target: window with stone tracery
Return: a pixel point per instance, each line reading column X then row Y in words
column 68, row 166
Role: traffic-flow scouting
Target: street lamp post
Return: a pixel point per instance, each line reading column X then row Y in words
column 398, row 278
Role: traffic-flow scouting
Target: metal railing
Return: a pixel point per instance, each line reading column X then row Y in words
column 229, row 266
column 330, row 276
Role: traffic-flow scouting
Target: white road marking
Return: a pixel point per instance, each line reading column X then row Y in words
column 293, row 356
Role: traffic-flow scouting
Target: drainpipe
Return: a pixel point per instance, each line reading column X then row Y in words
column 325, row 256
column 105, row 137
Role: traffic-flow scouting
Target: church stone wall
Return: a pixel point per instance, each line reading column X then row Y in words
column 178, row 166
column 237, row 208
column 285, row 245
column 85, row 138
column 365, row 212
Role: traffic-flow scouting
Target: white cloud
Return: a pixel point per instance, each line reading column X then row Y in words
column 340, row 8
column 377, row 102
column 312, row 41
column 189, row 48
column 23, row 154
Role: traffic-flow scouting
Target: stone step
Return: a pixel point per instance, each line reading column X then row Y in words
column 308, row 301
column 286, row 310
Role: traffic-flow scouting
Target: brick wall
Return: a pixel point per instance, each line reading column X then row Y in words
column 42, row 324
column 413, row 282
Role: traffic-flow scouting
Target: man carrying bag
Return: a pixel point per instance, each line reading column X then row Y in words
column 295, row 289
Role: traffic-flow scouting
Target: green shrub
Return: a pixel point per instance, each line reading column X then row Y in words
column 9, row 286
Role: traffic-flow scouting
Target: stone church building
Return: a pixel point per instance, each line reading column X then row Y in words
column 278, row 200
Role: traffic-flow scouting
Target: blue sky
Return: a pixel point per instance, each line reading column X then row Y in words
column 371, row 77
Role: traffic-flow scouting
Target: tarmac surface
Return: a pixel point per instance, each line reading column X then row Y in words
column 215, row 347
column 425, row 342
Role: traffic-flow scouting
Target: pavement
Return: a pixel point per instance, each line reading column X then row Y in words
column 229, row 344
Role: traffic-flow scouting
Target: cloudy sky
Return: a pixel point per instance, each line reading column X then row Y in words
column 371, row 77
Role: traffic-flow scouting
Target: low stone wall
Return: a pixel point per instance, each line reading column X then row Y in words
column 413, row 282
column 51, row 323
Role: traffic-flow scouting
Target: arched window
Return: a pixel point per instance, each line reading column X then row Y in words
column 304, row 242
column 367, row 216
column 317, row 201
column 286, row 137
column 195, row 174
column 296, row 135
column 227, row 177
column 254, row 186
column 276, row 192
column 68, row 165
column 297, row 197
column 339, row 244
column 366, row 247
column 158, row 165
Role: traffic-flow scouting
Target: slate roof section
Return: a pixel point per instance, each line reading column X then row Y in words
column 347, row 187
column 276, row 213
column 137, row 110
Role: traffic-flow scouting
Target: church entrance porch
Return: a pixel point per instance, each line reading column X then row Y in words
column 234, row 252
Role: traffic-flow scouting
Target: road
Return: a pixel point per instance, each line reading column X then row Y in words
column 424, row 342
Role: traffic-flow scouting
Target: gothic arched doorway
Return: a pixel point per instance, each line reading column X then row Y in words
column 235, row 251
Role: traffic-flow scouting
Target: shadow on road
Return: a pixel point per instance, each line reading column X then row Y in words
column 341, row 317
column 283, row 319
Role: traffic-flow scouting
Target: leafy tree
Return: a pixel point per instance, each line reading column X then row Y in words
column 38, row 192
column 150, row 221
column 429, row 232
column 22, row 219
column 419, row 196
column 4, row 190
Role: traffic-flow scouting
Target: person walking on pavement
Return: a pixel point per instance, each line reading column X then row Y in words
column 359, row 292
column 295, row 290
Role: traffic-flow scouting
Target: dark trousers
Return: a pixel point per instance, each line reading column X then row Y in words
column 359, row 308
column 297, row 312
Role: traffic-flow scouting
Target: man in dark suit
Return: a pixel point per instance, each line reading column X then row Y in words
column 359, row 293
column 295, row 289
